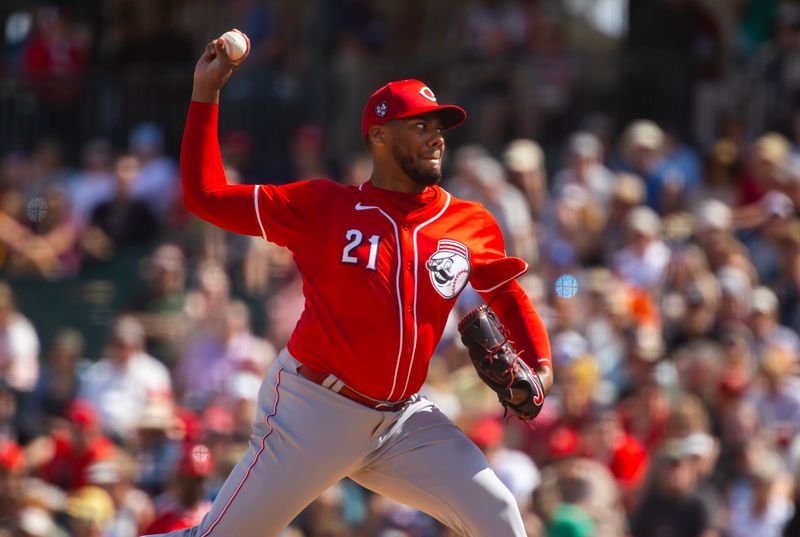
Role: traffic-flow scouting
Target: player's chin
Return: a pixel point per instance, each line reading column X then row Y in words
column 426, row 172
column 433, row 177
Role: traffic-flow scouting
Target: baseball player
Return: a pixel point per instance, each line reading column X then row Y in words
column 382, row 265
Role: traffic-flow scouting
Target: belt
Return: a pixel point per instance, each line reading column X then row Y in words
column 318, row 377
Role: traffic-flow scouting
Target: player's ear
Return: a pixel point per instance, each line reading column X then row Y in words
column 377, row 135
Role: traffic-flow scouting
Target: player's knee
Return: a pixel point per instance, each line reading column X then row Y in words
column 493, row 503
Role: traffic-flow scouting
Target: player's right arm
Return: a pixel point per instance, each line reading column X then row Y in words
column 206, row 191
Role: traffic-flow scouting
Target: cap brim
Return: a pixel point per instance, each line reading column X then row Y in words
column 450, row 114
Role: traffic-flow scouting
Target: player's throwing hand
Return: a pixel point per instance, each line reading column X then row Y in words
column 214, row 68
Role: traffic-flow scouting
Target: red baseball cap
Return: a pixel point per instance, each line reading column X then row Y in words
column 487, row 432
column 196, row 461
column 407, row 98
column 82, row 414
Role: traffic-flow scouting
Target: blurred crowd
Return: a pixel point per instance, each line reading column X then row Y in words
column 662, row 230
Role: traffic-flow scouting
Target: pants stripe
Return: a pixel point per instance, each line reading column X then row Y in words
column 255, row 458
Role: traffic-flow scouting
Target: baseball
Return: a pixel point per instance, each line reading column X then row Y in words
column 235, row 46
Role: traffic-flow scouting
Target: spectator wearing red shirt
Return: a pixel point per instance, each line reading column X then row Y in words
column 185, row 504
column 55, row 59
column 76, row 447
column 605, row 441
column 12, row 465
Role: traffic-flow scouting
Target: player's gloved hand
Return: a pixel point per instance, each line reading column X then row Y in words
column 517, row 386
column 214, row 68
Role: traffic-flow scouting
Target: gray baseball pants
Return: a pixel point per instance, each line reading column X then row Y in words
column 306, row 438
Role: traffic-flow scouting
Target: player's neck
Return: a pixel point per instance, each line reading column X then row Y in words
column 398, row 182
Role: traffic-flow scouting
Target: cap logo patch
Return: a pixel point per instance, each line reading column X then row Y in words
column 426, row 92
column 381, row 109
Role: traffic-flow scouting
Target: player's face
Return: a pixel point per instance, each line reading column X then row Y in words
column 417, row 147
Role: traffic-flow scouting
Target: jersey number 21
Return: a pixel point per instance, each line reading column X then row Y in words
column 355, row 237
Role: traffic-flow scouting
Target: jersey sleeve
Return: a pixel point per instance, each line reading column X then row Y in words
column 286, row 213
column 491, row 268
column 280, row 214
column 494, row 277
column 206, row 192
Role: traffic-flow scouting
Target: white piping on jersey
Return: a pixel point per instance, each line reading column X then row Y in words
column 258, row 214
column 523, row 271
column 360, row 207
column 416, row 269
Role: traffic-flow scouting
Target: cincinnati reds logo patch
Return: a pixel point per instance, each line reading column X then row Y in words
column 449, row 268
column 381, row 109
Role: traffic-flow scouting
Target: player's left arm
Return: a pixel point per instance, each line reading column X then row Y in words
column 526, row 330
column 494, row 278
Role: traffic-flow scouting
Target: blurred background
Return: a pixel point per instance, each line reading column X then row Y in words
column 643, row 156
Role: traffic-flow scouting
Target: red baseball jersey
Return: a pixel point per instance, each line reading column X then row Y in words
column 381, row 269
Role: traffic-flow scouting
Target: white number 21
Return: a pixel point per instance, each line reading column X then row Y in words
column 355, row 237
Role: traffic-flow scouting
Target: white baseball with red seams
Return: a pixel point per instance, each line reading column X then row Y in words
column 235, row 45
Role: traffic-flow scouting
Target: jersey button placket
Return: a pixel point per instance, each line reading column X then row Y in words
column 408, row 296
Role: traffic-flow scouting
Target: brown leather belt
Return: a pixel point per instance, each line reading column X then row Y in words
column 318, row 377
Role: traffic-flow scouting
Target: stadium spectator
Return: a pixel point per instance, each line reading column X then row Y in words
column 156, row 446
column 133, row 508
column 569, row 519
column 484, row 181
column 777, row 401
column 12, row 490
column 205, row 304
column 156, row 179
column 122, row 221
column 604, row 440
column 19, row 345
column 585, row 168
column 574, row 228
column 58, row 383
column 514, row 468
column 120, row 385
column 767, row 331
column 54, row 65
column 671, row 505
column 186, row 503
column 10, row 427
column 601, row 499
column 766, row 167
column 642, row 263
column 211, row 359
column 75, row 447
column 93, row 183
column 90, row 512
column 161, row 307
column 524, row 160
column 628, row 193
column 51, row 249
column 760, row 502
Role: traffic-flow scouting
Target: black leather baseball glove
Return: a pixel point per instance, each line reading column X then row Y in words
column 518, row 387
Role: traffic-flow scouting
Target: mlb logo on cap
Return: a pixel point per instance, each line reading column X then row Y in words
column 404, row 99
